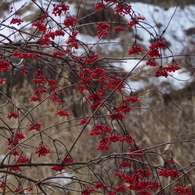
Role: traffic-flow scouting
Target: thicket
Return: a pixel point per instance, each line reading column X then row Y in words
column 73, row 124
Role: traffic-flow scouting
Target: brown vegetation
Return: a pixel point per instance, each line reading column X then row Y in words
column 159, row 118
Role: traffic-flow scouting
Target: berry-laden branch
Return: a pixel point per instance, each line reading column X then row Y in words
column 71, row 119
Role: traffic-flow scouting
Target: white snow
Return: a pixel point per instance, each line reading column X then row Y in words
column 175, row 80
column 175, row 34
column 61, row 178
column 182, row 20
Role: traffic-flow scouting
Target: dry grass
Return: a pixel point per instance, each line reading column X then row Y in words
column 150, row 123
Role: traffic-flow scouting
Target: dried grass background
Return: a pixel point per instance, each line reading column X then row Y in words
column 162, row 119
